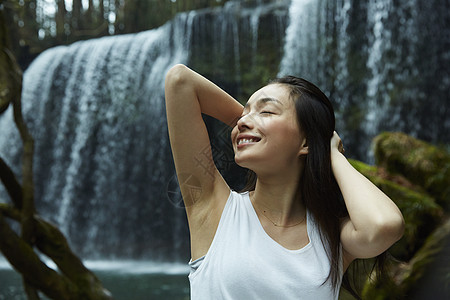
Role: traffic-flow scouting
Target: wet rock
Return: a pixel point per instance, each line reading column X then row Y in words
column 421, row 163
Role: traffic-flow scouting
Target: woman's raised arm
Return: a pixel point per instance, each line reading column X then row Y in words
column 188, row 95
column 375, row 222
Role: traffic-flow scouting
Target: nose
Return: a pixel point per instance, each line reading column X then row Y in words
column 245, row 122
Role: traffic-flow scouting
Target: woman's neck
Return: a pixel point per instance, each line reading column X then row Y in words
column 277, row 197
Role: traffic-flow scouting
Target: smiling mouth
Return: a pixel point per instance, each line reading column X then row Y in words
column 247, row 141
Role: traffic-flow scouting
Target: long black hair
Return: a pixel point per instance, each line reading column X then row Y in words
column 318, row 189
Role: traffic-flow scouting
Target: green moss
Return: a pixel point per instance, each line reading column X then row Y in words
column 406, row 275
column 422, row 163
column 416, row 268
column 365, row 169
column 382, row 290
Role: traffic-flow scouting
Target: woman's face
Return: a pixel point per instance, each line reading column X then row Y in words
column 267, row 137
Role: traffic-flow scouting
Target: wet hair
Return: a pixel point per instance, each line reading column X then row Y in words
column 318, row 189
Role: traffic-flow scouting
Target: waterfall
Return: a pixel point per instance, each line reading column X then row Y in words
column 301, row 45
column 378, row 11
column 383, row 64
column 103, row 162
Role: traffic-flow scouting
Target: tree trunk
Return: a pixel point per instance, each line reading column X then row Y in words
column 74, row 281
column 102, row 11
column 76, row 15
column 89, row 17
column 60, row 19
column 30, row 27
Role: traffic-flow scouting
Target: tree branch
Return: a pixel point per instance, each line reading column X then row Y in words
column 10, row 212
column 15, row 85
column 32, row 293
column 76, row 281
column 5, row 86
column 11, row 184
column 51, row 242
column 22, row 257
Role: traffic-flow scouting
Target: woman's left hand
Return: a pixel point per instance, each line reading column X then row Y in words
column 374, row 222
column 336, row 143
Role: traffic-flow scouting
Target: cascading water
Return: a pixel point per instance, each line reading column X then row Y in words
column 96, row 111
column 378, row 12
column 302, row 41
column 383, row 64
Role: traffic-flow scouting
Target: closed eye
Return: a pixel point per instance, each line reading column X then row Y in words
column 267, row 112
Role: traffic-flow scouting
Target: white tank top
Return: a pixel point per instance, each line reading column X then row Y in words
column 244, row 262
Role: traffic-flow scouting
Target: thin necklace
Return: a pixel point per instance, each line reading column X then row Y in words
column 278, row 225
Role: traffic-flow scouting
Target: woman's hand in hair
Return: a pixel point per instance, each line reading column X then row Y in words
column 374, row 222
column 336, row 143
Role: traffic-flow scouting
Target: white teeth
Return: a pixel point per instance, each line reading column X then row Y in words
column 242, row 141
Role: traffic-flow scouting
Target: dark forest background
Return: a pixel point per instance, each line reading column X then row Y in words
column 36, row 25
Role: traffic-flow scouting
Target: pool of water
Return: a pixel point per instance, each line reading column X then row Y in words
column 125, row 280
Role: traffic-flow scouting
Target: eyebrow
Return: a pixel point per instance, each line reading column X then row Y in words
column 265, row 100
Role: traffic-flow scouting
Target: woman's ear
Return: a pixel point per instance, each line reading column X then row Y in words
column 303, row 148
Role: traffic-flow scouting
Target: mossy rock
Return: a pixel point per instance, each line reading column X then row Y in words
column 422, row 215
column 421, row 163
column 432, row 260
column 386, row 290
column 407, row 275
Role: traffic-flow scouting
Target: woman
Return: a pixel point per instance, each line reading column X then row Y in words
column 307, row 214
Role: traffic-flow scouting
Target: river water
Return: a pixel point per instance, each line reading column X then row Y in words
column 124, row 279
